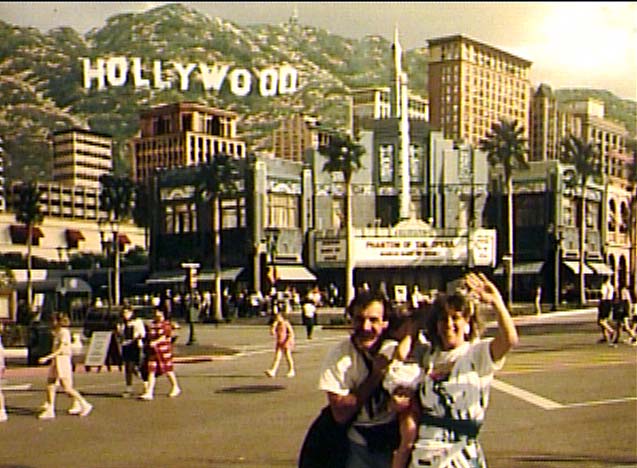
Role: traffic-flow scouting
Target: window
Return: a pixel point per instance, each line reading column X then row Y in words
column 386, row 163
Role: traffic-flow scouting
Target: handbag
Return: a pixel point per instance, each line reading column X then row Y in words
column 326, row 444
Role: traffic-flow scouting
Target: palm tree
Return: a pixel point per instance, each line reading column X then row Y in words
column 584, row 156
column 116, row 199
column 505, row 146
column 216, row 180
column 344, row 156
column 28, row 212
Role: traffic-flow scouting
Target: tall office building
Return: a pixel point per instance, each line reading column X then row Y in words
column 183, row 134
column 295, row 136
column 473, row 85
column 81, row 156
column 550, row 123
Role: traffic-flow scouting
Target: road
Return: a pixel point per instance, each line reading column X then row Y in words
column 561, row 401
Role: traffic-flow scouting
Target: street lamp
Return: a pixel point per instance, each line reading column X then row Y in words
column 556, row 241
column 109, row 246
column 272, row 238
column 192, row 313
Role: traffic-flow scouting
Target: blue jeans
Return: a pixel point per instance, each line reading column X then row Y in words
column 360, row 457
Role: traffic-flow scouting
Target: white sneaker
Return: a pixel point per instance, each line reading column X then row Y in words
column 175, row 392
column 269, row 373
column 146, row 396
column 291, row 374
column 76, row 408
column 86, row 409
column 48, row 413
column 3, row 416
column 44, row 406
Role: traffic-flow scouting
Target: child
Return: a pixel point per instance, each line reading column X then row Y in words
column 61, row 369
column 3, row 411
column 403, row 375
column 284, row 343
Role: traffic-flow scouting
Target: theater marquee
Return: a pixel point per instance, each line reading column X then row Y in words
column 378, row 252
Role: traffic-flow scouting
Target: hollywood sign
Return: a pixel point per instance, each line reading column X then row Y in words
column 116, row 72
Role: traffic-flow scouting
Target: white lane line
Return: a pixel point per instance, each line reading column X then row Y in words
column 529, row 397
column 600, row 402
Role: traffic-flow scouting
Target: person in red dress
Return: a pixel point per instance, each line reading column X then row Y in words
column 284, row 343
column 159, row 355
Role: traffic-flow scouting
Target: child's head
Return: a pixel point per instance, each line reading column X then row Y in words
column 61, row 319
column 401, row 321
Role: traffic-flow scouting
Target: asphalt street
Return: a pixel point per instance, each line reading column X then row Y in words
column 561, row 401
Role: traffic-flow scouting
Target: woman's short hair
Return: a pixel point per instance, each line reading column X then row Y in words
column 457, row 302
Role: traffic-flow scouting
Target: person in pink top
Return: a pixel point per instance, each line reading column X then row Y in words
column 284, row 344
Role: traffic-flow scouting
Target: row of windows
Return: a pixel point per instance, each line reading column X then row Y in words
column 87, row 141
column 80, row 164
column 90, row 154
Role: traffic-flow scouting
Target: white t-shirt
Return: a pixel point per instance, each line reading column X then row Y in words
column 343, row 370
column 607, row 291
column 462, row 392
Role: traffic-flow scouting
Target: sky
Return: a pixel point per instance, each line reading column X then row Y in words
column 571, row 44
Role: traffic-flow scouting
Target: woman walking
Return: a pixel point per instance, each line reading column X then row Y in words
column 61, row 369
column 159, row 356
column 284, row 343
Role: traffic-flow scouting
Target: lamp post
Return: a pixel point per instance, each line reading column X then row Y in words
column 191, row 278
column 556, row 240
column 109, row 246
column 272, row 237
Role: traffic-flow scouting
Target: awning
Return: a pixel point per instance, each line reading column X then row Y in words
column 522, row 268
column 73, row 236
column 293, row 273
column 601, row 268
column 73, row 285
column 574, row 267
column 123, row 239
column 166, row 278
column 228, row 274
column 19, row 232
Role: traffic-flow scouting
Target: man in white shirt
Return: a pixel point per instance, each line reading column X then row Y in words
column 603, row 311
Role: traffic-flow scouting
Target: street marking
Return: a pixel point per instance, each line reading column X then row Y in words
column 600, row 402
column 529, row 397
column 550, row 405
column 16, row 387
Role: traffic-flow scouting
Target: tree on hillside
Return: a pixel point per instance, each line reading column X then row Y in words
column 505, row 146
column 344, row 156
column 28, row 211
column 584, row 157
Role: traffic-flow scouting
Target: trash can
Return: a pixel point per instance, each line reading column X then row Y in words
column 40, row 342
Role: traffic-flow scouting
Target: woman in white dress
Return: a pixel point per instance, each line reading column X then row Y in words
column 61, row 370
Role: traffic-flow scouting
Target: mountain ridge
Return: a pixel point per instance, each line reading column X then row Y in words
column 41, row 87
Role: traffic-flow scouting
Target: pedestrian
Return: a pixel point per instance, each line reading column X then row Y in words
column 308, row 311
column 604, row 309
column 538, row 299
column 61, row 370
column 3, row 409
column 622, row 311
column 454, row 391
column 159, row 355
column 132, row 333
column 283, row 334
column 351, row 376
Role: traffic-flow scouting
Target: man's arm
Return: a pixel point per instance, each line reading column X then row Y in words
column 345, row 407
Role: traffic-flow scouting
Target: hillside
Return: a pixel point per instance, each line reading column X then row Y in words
column 41, row 87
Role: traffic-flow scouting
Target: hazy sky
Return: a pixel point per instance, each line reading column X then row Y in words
column 571, row 44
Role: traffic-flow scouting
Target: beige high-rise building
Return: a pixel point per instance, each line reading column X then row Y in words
column 183, row 134
column 296, row 135
column 550, row 124
column 473, row 85
column 81, row 157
